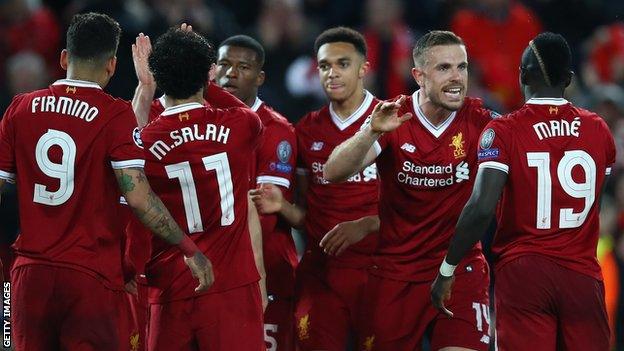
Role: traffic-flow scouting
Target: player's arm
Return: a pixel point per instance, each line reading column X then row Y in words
column 144, row 92
column 150, row 210
column 345, row 234
column 471, row 226
column 255, row 233
column 357, row 152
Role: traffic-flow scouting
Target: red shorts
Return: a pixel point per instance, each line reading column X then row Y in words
column 400, row 313
column 61, row 307
column 138, row 318
column 279, row 325
column 228, row 320
column 541, row 305
column 327, row 309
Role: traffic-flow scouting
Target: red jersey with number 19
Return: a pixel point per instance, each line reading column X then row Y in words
column 61, row 145
column 197, row 161
column 427, row 175
column 556, row 156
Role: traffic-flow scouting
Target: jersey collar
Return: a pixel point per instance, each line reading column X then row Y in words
column 77, row 83
column 435, row 130
column 359, row 112
column 547, row 101
column 181, row 108
column 256, row 105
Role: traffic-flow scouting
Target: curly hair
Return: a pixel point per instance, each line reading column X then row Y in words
column 180, row 62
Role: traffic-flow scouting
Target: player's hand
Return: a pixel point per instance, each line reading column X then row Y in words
column 131, row 287
column 141, row 50
column 385, row 116
column 441, row 291
column 202, row 270
column 268, row 198
column 343, row 235
column 186, row 27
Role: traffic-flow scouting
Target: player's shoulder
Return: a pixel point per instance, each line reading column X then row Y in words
column 273, row 119
column 313, row 118
column 476, row 110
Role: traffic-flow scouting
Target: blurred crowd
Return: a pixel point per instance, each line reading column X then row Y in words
column 495, row 32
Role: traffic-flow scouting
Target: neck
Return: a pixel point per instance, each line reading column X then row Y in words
column 345, row 108
column 544, row 92
column 198, row 97
column 435, row 114
column 87, row 75
column 251, row 99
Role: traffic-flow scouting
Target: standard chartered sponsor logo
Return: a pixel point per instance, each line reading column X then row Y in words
column 433, row 176
column 368, row 174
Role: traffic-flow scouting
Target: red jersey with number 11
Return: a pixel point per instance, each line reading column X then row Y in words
column 197, row 161
column 557, row 156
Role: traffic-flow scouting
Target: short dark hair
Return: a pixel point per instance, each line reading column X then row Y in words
column 247, row 42
column 93, row 36
column 180, row 62
column 431, row 39
column 556, row 56
column 344, row 35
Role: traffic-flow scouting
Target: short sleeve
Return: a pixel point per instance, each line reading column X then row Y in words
column 126, row 148
column 276, row 155
column 7, row 142
column 493, row 150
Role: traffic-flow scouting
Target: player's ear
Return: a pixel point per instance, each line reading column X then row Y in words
column 364, row 69
column 524, row 79
column 568, row 79
column 111, row 65
column 418, row 76
column 64, row 59
column 212, row 73
column 260, row 79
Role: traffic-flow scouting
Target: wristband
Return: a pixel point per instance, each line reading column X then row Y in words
column 188, row 247
column 447, row 270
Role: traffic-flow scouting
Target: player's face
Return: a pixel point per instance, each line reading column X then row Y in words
column 444, row 76
column 238, row 72
column 341, row 69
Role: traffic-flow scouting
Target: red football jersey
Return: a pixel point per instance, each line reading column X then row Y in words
column 318, row 133
column 138, row 250
column 427, row 175
column 61, row 145
column 197, row 162
column 556, row 156
column 275, row 164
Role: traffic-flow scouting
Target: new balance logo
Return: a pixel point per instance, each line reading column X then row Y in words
column 316, row 146
column 408, row 147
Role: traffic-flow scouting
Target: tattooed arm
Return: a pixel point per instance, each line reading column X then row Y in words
column 148, row 207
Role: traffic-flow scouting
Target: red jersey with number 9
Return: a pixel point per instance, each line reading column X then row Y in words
column 61, row 145
column 556, row 156
column 197, row 161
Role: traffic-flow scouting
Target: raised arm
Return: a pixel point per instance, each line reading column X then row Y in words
column 357, row 152
column 148, row 207
column 471, row 226
column 144, row 92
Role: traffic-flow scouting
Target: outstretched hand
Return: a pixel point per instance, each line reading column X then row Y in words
column 141, row 49
column 385, row 116
column 343, row 235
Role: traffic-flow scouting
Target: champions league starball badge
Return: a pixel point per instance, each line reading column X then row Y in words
column 487, row 139
column 284, row 150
